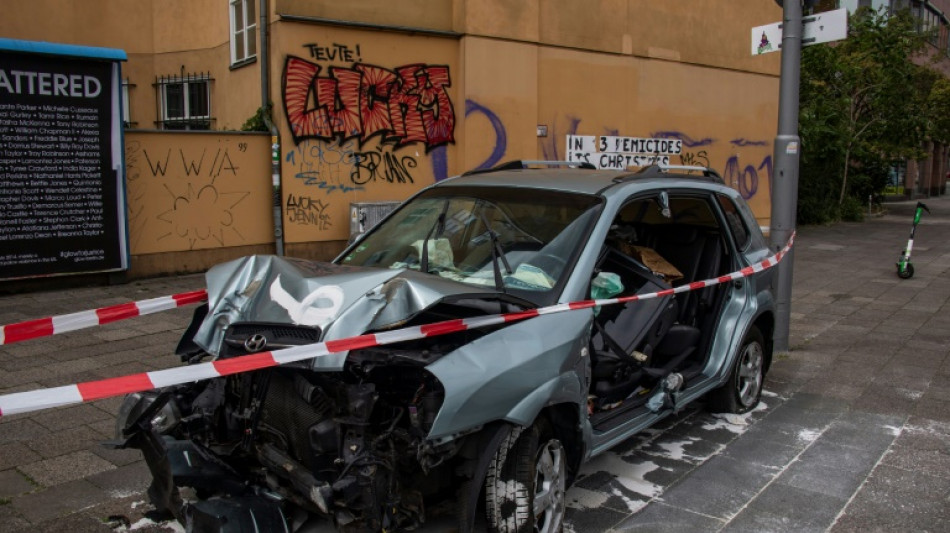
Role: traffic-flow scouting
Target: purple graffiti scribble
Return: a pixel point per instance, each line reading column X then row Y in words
column 501, row 136
column 767, row 164
column 746, row 180
column 440, row 163
column 612, row 132
column 746, row 142
column 688, row 141
column 439, row 156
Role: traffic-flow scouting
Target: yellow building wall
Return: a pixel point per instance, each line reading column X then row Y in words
column 196, row 191
column 635, row 68
column 235, row 94
column 725, row 119
column 504, row 70
column 716, row 33
column 85, row 23
column 708, row 32
column 428, row 14
column 507, row 19
column 168, row 38
column 335, row 152
column 185, row 25
column 501, row 102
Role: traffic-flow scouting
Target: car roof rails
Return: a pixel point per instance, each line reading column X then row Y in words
column 662, row 168
column 524, row 163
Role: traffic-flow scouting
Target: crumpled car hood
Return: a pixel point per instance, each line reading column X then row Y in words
column 342, row 301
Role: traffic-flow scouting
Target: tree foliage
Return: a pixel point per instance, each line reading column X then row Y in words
column 939, row 106
column 864, row 104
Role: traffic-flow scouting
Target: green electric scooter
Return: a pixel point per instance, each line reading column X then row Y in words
column 905, row 268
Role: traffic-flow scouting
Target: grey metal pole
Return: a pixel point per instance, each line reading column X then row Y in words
column 785, row 174
column 264, row 55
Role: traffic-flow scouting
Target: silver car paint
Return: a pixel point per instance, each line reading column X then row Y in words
column 510, row 374
column 372, row 298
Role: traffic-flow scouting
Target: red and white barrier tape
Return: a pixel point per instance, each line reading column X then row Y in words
column 23, row 402
column 44, row 327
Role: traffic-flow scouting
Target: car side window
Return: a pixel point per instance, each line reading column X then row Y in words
column 734, row 219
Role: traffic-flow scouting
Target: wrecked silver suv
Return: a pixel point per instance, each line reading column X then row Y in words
column 492, row 421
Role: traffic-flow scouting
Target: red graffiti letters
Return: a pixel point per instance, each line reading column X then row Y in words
column 406, row 105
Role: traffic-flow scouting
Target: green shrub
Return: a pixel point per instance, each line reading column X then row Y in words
column 256, row 122
column 852, row 209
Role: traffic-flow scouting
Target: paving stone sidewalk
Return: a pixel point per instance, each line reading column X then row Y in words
column 853, row 433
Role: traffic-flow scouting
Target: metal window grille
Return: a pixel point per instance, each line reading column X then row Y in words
column 365, row 215
column 127, row 104
column 184, row 102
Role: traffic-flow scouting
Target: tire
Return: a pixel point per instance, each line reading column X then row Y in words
column 526, row 482
column 741, row 393
column 907, row 273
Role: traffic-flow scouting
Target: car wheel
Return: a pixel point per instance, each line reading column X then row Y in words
column 526, row 481
column 742, row 391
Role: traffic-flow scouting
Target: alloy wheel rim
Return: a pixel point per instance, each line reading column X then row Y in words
column 750, row 374
column 550, row 485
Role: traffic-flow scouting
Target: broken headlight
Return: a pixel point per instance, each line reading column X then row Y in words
column 139, row 404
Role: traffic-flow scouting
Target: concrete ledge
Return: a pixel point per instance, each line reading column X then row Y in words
column 150, row 265
column 172, row 263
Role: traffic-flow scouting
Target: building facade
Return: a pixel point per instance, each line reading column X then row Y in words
column 374, row 100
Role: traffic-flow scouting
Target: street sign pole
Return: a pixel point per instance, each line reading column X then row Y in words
column 785, row 174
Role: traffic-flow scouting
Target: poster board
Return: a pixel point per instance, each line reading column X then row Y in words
column 62, row 196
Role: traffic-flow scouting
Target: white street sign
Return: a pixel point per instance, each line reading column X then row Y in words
column 820, row 28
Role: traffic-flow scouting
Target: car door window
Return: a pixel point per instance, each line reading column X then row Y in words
column 739, row 231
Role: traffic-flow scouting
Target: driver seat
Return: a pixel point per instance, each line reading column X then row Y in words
column 615, row 372
column 667, row 345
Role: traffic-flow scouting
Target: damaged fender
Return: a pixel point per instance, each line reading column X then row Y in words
column 537, row 367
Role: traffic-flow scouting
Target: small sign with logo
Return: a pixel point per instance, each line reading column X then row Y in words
column 819, row 28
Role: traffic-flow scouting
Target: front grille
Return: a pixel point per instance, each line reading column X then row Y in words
column 275, row 336
column 286, row 411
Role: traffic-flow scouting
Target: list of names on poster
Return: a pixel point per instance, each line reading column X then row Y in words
column 50, row 157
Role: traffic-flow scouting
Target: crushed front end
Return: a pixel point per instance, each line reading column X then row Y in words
column 350, row 445
column 346, row 439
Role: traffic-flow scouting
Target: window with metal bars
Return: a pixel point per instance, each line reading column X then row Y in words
column 184, row 102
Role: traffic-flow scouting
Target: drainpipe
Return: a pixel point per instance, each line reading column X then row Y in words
column 263, row 55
